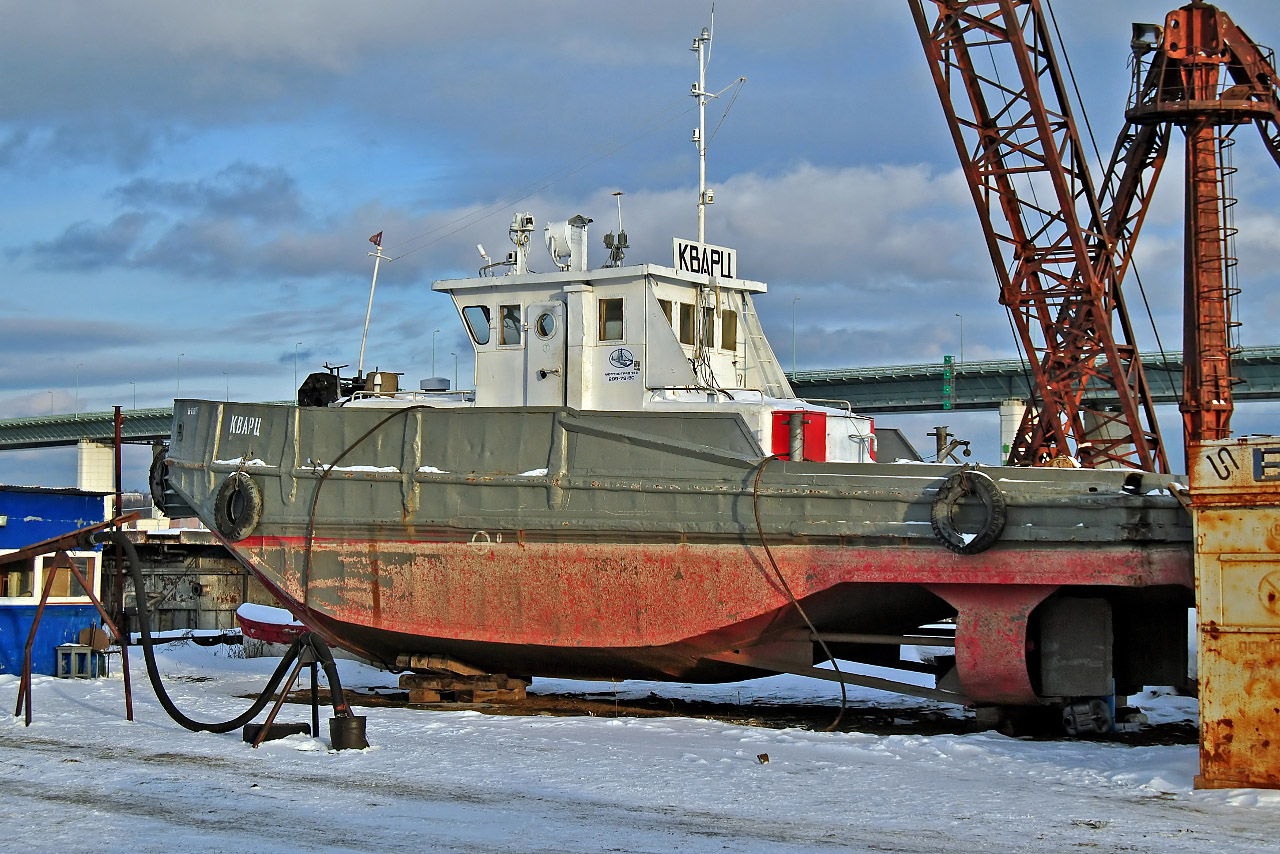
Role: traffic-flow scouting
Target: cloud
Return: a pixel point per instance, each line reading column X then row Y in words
column 263, row 194
column 86, row 246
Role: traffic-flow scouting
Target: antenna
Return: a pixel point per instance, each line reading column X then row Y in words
column 618, row 244
column 702, row 47
column 376, row 240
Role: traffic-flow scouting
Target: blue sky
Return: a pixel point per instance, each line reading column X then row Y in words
column 201, row 179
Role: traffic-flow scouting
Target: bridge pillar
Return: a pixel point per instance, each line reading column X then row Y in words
column 1011, row 410
column 95, row 466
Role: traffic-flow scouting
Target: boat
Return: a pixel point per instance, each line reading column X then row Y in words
column 633, row 491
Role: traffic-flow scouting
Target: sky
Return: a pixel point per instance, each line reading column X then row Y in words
column 188, row 189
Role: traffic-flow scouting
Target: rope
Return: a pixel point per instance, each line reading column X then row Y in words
column 315, row 500
column 755, row 505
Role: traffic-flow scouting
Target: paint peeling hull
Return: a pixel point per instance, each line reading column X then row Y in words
column 625, row 545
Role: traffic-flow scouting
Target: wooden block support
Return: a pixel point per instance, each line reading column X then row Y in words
column 486, row 688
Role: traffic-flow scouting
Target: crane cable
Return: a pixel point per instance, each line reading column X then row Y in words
column 1146, row 303
column 601, row 152
column 755, row 505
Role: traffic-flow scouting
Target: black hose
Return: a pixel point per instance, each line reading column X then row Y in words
column 318, row 647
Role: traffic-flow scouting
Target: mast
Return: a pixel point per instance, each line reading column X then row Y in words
column 702, row 47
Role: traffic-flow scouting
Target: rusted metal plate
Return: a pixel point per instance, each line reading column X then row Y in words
column 1235, row 490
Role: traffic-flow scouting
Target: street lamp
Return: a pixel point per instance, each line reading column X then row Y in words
column 793, row 336
column 295, row 366
column 178, row 392
column 135, row 393
column 433, row 352
column 79, row 365
column 961, row 316
column 51, row 403
column 227, row 377
column 455, row 370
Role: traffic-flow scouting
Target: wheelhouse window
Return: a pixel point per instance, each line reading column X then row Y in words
column 686, row 323
column 478, row 319
column 729, row 329
column 510, row 324
column 708, row 327
column 611, row 319
column 665, row 305
column 545, row 325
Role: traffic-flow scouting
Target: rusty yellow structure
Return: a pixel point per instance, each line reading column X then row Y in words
column 1235, row 499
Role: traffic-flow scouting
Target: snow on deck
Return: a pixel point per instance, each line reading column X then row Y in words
column 464, row 781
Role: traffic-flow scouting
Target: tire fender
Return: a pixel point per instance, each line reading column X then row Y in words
column 237, row 507
column 968, row 482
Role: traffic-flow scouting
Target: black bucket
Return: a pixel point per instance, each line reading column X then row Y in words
column 348, row 733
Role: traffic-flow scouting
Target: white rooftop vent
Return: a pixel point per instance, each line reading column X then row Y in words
column 567, row 243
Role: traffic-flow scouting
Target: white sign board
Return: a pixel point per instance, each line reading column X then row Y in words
column 694, row 257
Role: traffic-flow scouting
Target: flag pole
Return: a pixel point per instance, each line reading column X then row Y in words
column 376, row 240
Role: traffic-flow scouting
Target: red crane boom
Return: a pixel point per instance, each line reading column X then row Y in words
column 1058, row 255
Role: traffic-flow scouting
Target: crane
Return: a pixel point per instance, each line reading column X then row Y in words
column 1018, row 141
column 1061, row 248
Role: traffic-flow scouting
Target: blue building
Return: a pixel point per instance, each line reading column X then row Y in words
column 32, row 514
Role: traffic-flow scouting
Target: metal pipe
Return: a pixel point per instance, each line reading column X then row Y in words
column 275, row 710
column 124, row 660
column 795, row 426
column 121, row 638
column 888, row 640
column 24, row 687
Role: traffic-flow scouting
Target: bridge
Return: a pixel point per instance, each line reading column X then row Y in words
column 898, row 388
column 984, row 385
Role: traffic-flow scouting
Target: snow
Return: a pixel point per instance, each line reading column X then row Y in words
column 241, row 461
column 534, row 473
column 266, row 614
column 441, row 780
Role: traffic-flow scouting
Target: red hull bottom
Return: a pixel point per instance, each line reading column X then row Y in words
column 688, row 611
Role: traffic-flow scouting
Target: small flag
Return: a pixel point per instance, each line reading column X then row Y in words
column 376, row 240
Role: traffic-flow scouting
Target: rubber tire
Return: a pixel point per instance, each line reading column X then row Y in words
column 955, row 488
column 238, row 506
column 157, row 479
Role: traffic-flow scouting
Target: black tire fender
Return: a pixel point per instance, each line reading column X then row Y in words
column 157, row 479
column 238, row 506
column 968, row 482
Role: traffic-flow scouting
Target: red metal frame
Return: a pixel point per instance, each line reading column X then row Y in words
column 1054, row 257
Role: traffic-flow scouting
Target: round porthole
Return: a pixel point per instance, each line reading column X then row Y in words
column 545, row 325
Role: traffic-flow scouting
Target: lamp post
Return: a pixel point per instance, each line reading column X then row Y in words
column 793, row 335
column 79, row 365
column 178, row 392
column 295, row 366
column 433, row 351
column 135, row 393
column 227, row 377
column 961, row 316
column 455, row 370
column 51, row 403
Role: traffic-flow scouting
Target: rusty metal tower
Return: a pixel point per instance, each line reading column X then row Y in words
column 1205, row 75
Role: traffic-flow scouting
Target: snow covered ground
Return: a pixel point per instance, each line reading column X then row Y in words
column 81, row 778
